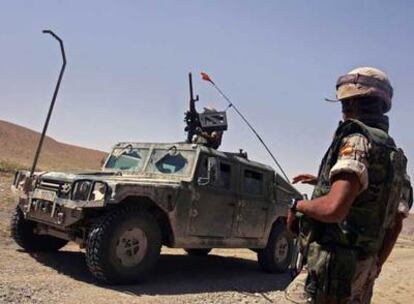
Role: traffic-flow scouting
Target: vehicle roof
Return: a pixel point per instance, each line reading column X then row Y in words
column 186, row 146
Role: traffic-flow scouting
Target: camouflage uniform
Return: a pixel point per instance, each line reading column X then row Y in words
column 355, row 149
column 368, row 270
column 352, row 158
column 342, row 258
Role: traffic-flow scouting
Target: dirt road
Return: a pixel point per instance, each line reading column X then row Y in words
column 225, row 276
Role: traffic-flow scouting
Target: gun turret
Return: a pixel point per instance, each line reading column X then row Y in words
column 206, row 122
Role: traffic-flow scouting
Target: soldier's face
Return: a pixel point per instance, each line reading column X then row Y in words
column 348, row 109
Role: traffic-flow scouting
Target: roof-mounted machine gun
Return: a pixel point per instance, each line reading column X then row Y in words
column 208, row 121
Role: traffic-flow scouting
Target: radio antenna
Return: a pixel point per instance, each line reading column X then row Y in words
column 206, row 77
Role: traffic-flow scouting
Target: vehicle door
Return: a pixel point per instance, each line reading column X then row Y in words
column 213, row 207
column 253, row 204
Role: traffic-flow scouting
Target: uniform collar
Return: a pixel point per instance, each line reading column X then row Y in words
column 375, row 121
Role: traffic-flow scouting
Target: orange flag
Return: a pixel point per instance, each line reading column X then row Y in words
column 205, row 77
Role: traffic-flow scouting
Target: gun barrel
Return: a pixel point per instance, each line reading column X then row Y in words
column 190, row 82
column 191, row 116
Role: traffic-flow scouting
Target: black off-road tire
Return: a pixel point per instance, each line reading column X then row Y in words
column 103, row 239
column 22, row 233
column 198, row 251
column 279, row 239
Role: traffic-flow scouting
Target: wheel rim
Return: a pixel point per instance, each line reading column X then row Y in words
column 281, row 249
column 131, row 247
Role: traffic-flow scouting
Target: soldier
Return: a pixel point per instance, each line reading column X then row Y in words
column 209, row 139
column 362, row 193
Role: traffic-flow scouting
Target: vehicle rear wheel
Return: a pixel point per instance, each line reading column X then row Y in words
column 198, row 251
column 22, row 231
column 124, row 246
column 276, row 256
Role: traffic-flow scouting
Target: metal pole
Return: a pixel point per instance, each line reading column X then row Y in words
column 52, row 104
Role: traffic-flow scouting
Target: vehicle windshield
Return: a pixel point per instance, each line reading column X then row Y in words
column 171, row 161
column 127, row 159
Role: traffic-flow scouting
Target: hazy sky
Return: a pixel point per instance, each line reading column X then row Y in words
column 128, row 61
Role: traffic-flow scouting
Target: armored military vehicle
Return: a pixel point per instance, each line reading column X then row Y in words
column 181, row 195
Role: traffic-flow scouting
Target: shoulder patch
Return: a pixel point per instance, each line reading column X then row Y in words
column 346, row 150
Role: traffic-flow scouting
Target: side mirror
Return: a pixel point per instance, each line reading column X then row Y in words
column 213, row 173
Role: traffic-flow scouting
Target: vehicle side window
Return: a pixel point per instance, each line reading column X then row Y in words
column 202, row 170
column 224, row 181
column 252, row 182
column 225, row 176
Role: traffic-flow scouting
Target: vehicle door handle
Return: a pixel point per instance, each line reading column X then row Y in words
column 265, row 208
column 232, row 204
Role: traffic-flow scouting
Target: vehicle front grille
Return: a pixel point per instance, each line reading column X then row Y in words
column 60, row 187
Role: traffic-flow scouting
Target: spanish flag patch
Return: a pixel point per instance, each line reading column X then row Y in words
column 346, row 150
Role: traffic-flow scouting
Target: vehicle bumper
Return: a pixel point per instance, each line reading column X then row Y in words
column 57, row 212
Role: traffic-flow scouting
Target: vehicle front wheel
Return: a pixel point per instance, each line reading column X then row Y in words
column 124, row 246
column 22, row 231
column 198, row 251
column 276, row 256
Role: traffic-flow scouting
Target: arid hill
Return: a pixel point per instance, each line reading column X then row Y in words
column 408, row 227
column 18, row 145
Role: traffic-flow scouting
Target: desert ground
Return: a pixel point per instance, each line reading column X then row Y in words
column 225, row 276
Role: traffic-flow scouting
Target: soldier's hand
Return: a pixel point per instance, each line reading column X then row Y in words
column 305, row 179
column 292, row 223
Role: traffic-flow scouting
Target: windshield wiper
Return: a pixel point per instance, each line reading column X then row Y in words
column 172, row 151
column 121, row 152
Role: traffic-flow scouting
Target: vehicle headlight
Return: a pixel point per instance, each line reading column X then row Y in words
column 87, row 190
column 81, row 190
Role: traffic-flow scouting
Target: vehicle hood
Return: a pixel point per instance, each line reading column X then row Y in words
column 111, row 178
